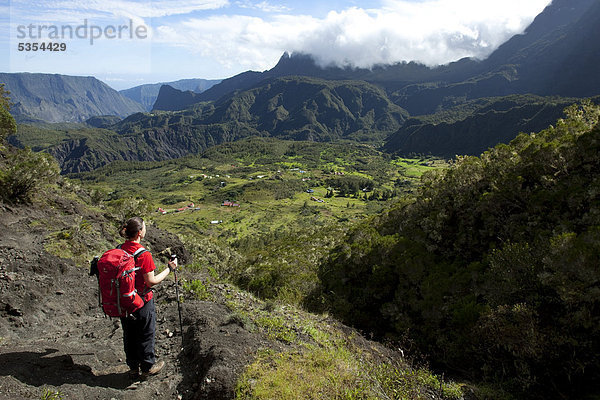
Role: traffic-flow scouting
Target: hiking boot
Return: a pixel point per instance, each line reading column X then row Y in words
column 133, row 374
column 155, row 369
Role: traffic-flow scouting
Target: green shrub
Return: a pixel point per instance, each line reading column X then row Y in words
column 24, row 173
column 8, row 125
column 197, row 289
column 49, row 394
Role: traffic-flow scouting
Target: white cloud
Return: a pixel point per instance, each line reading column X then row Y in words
column 154, row 8
column 264, row 6
column 70, row 10
column 432, row 32
column 250, row 42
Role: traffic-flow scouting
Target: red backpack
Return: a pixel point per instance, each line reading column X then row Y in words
column 116, row 278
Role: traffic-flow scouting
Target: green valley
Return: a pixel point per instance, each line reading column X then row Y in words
column 280, row 205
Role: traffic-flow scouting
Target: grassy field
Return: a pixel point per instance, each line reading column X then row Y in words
column 276, row 184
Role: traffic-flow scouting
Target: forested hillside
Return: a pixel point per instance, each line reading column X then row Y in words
column 475, row 126
column 289, row 108
column 299, row 108
column 491, row 269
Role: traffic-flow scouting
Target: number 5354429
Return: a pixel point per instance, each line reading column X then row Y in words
column 34, row 46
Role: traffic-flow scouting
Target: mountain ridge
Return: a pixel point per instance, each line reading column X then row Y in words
column 172, row 99
column 64, row 98
column 146, row 94
column 297, row 108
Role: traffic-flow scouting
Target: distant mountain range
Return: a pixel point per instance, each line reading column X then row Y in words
column 461, row 108
column 146, row 94
column 62, row 98
column 298, row 108
column 301, row 108
column 557, row 55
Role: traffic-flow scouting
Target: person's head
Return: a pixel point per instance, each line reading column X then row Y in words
column 133, row 229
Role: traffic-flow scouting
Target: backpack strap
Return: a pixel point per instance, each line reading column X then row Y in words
column 138, row 253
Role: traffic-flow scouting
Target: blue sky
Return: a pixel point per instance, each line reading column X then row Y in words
column 130, row 42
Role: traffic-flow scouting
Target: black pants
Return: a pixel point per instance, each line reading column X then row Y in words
column 138, row 337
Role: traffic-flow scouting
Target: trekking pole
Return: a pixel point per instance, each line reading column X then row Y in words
column 173, row 257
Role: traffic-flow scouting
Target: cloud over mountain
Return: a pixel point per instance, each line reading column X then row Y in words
column 220, row 38
column 432, row 32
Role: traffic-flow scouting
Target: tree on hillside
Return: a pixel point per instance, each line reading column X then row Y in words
column 8, row 125
column 22, row 171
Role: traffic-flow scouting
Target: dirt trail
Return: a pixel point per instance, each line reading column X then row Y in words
column 54, row 337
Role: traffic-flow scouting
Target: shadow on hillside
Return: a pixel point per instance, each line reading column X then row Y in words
column 195, row 364
column 40, row 368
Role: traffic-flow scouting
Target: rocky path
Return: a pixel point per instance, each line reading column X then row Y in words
column 54, row 338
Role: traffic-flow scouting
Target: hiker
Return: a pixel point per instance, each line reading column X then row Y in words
column 139, row 328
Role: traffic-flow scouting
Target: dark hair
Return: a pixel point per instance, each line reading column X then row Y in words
column 130, row 229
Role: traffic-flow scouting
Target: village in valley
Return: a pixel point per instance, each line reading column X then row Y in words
column 232, row 193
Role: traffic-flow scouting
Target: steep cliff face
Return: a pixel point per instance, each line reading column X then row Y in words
column 147, row 94
column 550, row 24
column 88, row 153
column 62, row 98
column 171, row 99
column 558, row 55
column 565, row 62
